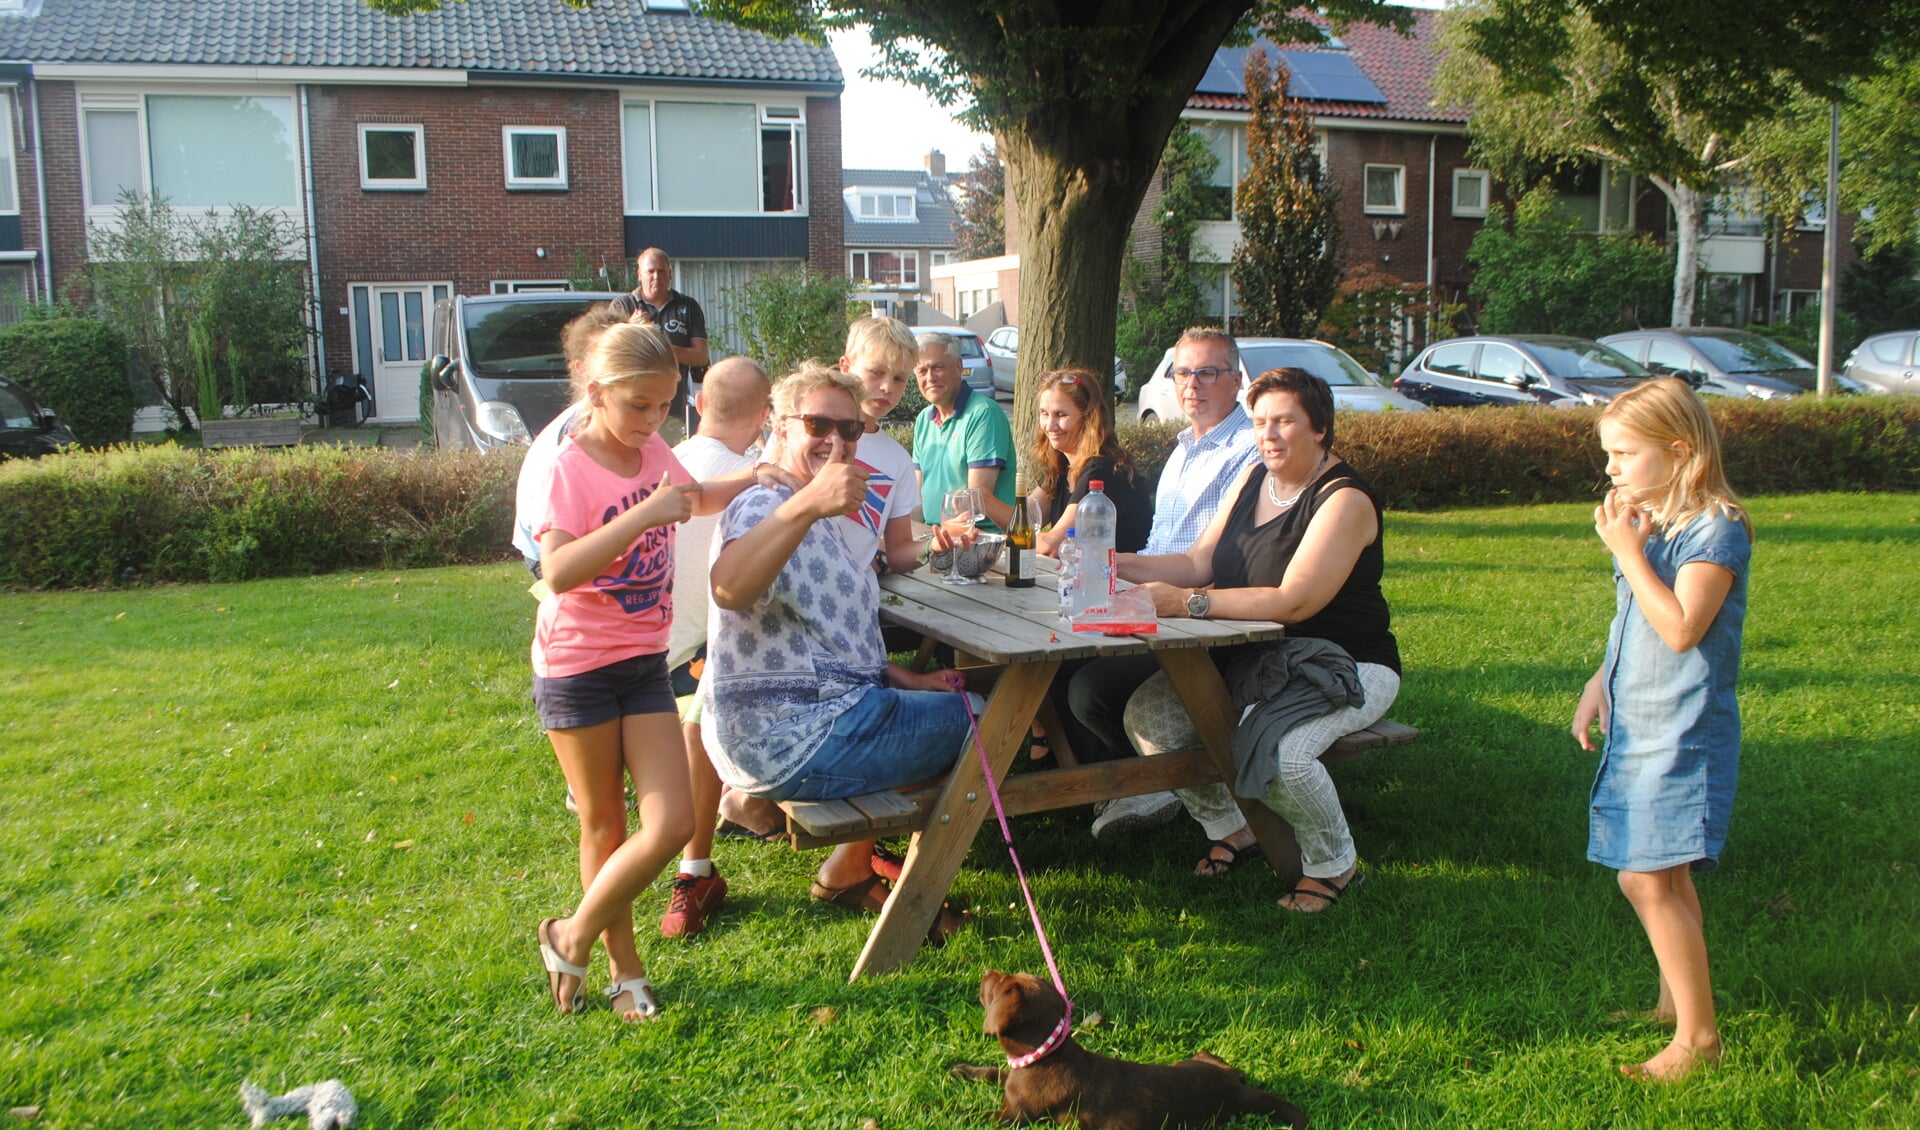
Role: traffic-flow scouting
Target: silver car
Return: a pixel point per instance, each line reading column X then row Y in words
column 1354, row 389
column 1886, row 363
column 1003, row 352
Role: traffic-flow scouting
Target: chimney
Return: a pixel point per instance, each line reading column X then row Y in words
column 936, row 164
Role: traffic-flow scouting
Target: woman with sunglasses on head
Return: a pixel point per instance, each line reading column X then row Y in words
column 800, row 699
column 1075, row 448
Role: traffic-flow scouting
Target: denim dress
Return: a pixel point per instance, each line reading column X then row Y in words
column 1664, row 790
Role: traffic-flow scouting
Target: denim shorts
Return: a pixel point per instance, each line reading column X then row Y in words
column 887, row 739
column 626, row 686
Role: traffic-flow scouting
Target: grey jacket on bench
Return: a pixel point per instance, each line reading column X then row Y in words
column 1287, row 683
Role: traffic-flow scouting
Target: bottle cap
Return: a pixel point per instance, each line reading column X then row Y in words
column 1097, row 484
column 1069, row 531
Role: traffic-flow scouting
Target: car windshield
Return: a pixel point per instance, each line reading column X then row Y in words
column 520, row 339
column 1748, row 353
column 1585, row 361
column 1325, row 362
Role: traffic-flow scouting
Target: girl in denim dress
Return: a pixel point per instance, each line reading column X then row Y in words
column 1664, row 695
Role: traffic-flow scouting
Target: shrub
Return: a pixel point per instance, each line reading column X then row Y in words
column 168, row 513
column 1537, row 273
column 787, row 317
column 79, row 366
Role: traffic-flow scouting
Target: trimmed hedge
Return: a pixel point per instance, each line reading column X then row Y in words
column 167, row 513
column 174, row 514
column 79, row 367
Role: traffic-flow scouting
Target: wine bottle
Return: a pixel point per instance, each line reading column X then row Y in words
column 1020, row 548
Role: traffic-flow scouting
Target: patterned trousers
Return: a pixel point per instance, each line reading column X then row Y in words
column 1302, row 792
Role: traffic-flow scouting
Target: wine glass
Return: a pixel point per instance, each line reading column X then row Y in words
column 957, row 516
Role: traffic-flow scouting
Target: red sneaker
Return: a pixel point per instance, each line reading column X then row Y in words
column 694, row 897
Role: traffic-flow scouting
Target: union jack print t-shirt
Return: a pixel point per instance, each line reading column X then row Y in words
column 893, row 491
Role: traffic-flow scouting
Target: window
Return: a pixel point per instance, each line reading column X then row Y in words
column 16, row 291
column 1597, row 197
column 536, row 156
column 870, row 204
column 1228, row 144
column 1471, row 188
column 198, row 151
column 1385, row 190
column 1502, row 363
column 713, row 157
column 1454, row 360
column 1813, row 212
column 393, row 157
column 885, row 268
column 940, row 258
column 528, row 286
column 9, row 190
column 1892, row 349
column 1788, row 303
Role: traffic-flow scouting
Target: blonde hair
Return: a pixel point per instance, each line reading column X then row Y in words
column 577, row 336
column 624, row 353
column 886, row 339
column 811, row 376
column 1666, row 413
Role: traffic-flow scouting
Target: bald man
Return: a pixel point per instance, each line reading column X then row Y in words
column 733, row 405
column 678, row 316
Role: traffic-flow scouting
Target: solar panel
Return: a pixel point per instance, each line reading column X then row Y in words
column 1317, row 76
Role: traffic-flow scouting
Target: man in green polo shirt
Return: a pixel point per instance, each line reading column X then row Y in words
column 962, row 439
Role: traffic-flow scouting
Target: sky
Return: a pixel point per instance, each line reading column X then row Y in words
column 890, row 125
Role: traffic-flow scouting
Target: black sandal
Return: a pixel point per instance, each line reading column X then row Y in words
column 1327, row 897
column 1216, row 867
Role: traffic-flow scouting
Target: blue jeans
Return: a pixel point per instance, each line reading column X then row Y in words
column 885, row 740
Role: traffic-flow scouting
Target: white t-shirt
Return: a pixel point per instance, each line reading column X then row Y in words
column 536, row 476
column 893, row 491
column 704, row 458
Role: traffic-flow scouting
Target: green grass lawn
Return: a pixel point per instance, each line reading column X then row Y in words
column 301, row 829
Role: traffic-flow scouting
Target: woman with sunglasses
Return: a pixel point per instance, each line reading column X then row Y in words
column 1074, row 448
column 801, row 700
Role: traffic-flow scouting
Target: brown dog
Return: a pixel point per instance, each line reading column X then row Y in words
column 1103, row 1094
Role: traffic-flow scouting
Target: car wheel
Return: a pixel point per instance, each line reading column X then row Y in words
column 1149, row 417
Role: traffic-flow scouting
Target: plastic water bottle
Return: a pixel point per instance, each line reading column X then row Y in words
column 1095, row 521
column 1069, row 574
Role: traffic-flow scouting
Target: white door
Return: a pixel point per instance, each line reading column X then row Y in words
column 399, row 323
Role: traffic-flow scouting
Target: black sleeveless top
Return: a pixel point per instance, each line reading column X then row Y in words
column 1251, row 555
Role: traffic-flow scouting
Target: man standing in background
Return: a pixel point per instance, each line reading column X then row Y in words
column 680, row 318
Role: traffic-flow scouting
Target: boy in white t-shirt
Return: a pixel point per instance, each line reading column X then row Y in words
column 881, row 354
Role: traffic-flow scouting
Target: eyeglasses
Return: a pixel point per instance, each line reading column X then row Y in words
column 1203, row 376
column 819, row 426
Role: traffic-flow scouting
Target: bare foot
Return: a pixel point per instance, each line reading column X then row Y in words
column 1675, row 1062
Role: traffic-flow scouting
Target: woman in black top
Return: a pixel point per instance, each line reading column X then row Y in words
column 1300, row 544
column 1074, row 448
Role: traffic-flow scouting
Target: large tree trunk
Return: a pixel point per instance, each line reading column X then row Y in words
column 1689, row 217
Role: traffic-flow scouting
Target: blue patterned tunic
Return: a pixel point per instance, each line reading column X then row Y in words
column 779, row 673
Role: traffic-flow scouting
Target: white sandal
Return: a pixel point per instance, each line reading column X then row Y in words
column 558, row 967
column 644, row 1002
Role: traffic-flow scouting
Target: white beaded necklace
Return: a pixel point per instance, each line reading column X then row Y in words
column 1279, row 503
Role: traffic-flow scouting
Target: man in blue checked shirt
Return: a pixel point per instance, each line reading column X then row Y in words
column 1205, row 461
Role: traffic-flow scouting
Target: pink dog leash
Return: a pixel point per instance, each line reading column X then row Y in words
column 1065, row 1028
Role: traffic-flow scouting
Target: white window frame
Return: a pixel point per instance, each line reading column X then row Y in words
column 558, row 181
column 939, row 258
column 1399, row 205
column 866, row 205
column 134, row 98
column 788, row 110
column 8, row 148
column 415, row 183
column 909, row 260
column 529, row 286
column 1486, row 192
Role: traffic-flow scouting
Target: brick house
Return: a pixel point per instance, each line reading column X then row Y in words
column 487, row 147
column 899, row 227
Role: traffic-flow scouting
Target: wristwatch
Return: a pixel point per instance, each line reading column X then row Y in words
column 1197, row 604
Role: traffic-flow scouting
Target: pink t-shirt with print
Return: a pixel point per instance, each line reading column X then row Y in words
column 628, row 609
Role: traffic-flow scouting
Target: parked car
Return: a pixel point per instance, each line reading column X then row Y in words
column 1886, row 363
column 973, row 354
column 1521, row 369
column 1003, row 350
column 28, row 428
column 1354, row 389
column 1719, row 362
column 498, row 374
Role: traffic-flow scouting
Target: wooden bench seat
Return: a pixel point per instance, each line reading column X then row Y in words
column 818, row 823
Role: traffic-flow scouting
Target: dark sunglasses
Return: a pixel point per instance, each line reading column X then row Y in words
column 819, row 426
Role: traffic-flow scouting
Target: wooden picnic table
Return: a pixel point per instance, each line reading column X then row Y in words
column 1020, row 631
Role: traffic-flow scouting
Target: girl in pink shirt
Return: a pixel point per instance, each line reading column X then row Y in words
column 599, row 651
